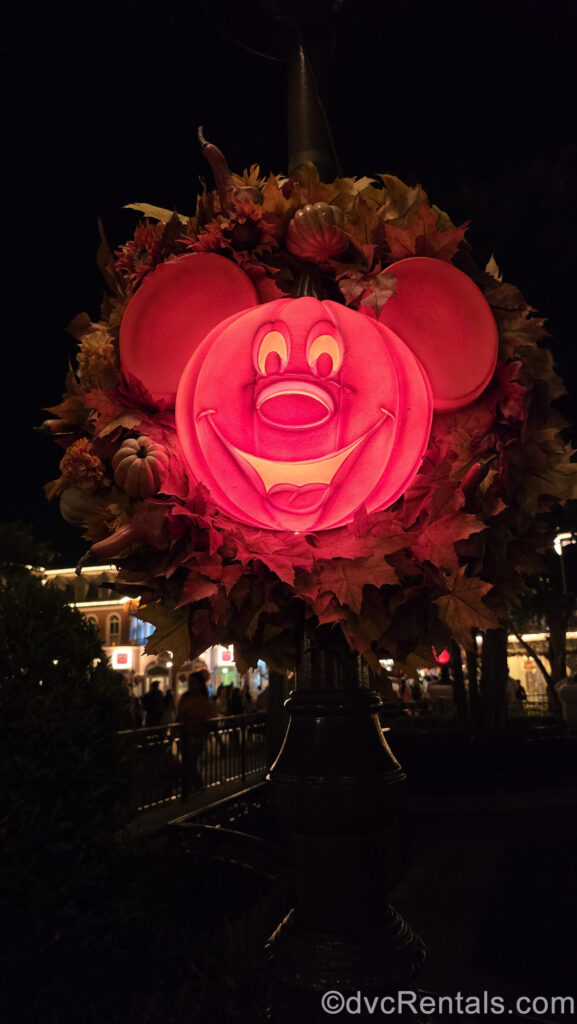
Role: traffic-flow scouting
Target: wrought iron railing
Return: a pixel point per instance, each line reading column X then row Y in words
column 170, row 762
column 534, row 706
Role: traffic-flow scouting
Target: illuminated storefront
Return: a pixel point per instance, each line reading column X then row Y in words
column 123, row 636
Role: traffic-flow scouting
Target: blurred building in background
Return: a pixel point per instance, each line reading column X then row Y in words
column 123, row 636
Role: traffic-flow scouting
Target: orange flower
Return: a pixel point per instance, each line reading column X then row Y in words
column 82, row 467
column 137, row 258
column 97, row 360
column 244, row 231
column 210, row 239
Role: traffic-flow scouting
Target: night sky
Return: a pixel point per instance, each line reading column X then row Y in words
column 102, row 101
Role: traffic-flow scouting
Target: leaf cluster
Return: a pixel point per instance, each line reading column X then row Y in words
column 449, row 556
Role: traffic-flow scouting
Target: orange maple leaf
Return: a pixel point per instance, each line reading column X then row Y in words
column 195, row 588
column 462, row 608
column 437, row 539
column 345, row 578
column 423, row 238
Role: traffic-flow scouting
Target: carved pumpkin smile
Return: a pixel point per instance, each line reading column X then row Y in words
column 301, row 484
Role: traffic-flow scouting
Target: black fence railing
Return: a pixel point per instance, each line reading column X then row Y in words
column 171, row 762
column 535, row 706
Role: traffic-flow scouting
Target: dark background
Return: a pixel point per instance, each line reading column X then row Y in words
column 101, row 105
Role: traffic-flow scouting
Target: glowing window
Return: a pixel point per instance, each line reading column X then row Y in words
column 112, row 629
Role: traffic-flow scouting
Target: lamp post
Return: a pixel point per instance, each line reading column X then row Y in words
column 337, row 790
column 336, row 786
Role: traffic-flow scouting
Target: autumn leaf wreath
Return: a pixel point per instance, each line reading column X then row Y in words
column 443, row 559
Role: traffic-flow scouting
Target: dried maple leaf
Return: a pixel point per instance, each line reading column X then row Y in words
column 195, row 588
column 492, row 268
column 111, row 413
column 423, row 238
column 509, row 394
column 171, row 631
column 230, row 576
column 173, row 474
column 220, row 608
column 267, row 606
column 400, row 200
column 157, row 212
column 345, row 578
column 380, row 289
column 432, row 492
column 340, row 543
column 310, row 189
column 307, row 585
column 542, row 366
column 327, row 610
column 73, row 408
column 276, row 207
column 361, row 222
column 437, row 539
column 462, row 608
column 517, row 329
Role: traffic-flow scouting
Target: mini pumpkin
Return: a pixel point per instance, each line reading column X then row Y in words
column 314, row 233
column 138, row 465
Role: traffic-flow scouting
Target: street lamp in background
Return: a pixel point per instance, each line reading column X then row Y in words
column 562, row 540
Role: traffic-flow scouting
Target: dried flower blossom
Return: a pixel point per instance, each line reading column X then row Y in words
column 138, row 257
column 97, row 360
column 82, row 467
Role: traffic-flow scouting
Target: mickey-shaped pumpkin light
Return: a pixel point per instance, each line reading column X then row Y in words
column 296, row 412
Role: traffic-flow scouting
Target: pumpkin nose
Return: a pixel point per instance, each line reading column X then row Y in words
column 295, row 404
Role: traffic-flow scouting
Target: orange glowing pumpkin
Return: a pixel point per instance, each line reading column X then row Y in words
column 318, row 410
column 297, row 412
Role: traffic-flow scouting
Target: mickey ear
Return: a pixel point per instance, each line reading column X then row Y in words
column 448, row 324
column 173, row 310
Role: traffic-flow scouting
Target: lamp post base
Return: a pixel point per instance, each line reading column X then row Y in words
column 337, row 790
column 377, row 960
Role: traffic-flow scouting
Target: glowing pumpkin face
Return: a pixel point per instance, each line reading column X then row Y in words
column 297, row 412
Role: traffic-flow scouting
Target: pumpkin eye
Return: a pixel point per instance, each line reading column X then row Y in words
column 324, row 355
column 272, row 356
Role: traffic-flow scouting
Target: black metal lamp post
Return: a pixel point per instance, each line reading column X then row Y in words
column 336, row 785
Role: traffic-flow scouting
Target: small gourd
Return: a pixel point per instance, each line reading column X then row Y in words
column 77, row 505
column 138, row 465
column 314, row 234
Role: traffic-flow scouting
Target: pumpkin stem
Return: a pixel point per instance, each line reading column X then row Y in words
column 308, row 283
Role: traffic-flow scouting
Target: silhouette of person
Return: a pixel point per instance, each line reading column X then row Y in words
column 168, row 708
column 237, row 706
column 153, row 704
column 194, row 711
